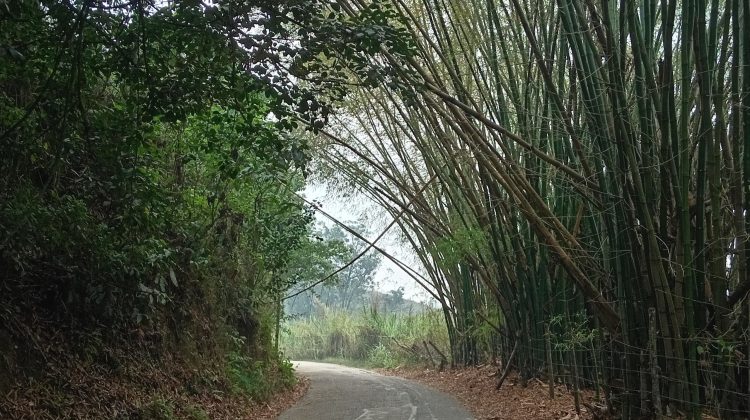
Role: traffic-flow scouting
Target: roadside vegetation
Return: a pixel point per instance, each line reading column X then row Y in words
column 149, row 217
column 141, row 211
column 368, row 338
column 346, row 320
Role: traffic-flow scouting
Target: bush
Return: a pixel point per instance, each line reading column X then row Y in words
column 258, row 379
column 247, row 377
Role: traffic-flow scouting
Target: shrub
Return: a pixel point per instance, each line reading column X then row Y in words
column 158, row 409
column 247, row 376
column 196, row 413
column 258, row 378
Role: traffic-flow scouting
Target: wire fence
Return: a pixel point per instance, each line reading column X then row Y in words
column 644, row 380
column 702, row 375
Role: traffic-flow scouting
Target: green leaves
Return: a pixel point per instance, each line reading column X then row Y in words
column 140, row 165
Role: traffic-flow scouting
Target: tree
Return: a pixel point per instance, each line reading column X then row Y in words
column 349, row 289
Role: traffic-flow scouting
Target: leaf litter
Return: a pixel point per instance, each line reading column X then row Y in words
column 474, row 387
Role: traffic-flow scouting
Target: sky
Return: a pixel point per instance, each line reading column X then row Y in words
column 358, row 208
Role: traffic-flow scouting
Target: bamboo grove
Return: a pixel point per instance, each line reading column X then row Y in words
column 574, row 176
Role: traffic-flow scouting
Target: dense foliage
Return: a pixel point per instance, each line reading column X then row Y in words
column 140, row 171
column 148, row 180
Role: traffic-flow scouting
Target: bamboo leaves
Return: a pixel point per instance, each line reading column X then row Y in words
column 598, row 146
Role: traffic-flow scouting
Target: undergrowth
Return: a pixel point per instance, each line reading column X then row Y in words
column 82, row 378
column 367, row 338
column 259, row 379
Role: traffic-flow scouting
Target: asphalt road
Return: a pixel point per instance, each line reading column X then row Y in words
column 343, row 393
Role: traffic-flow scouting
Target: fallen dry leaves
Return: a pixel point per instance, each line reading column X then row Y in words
column 281, row 402
column 475, row 388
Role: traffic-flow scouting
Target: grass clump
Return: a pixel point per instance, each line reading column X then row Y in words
column 158, row 409
column 196, row 413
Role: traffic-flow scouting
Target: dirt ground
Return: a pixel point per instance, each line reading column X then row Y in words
column 475, row 388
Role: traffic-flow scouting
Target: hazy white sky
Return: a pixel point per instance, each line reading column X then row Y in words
column 358, row 208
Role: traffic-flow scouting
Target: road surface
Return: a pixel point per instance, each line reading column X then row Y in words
column 343, row 393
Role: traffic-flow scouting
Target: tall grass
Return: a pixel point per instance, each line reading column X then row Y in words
column 369, row 337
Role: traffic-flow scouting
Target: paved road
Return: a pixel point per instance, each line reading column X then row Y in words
column 342, row 393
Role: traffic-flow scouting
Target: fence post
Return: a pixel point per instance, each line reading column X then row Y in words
column 429, row 354
column 550, row 368
column 642, row 371
column 655, row 391
column 576, row 388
